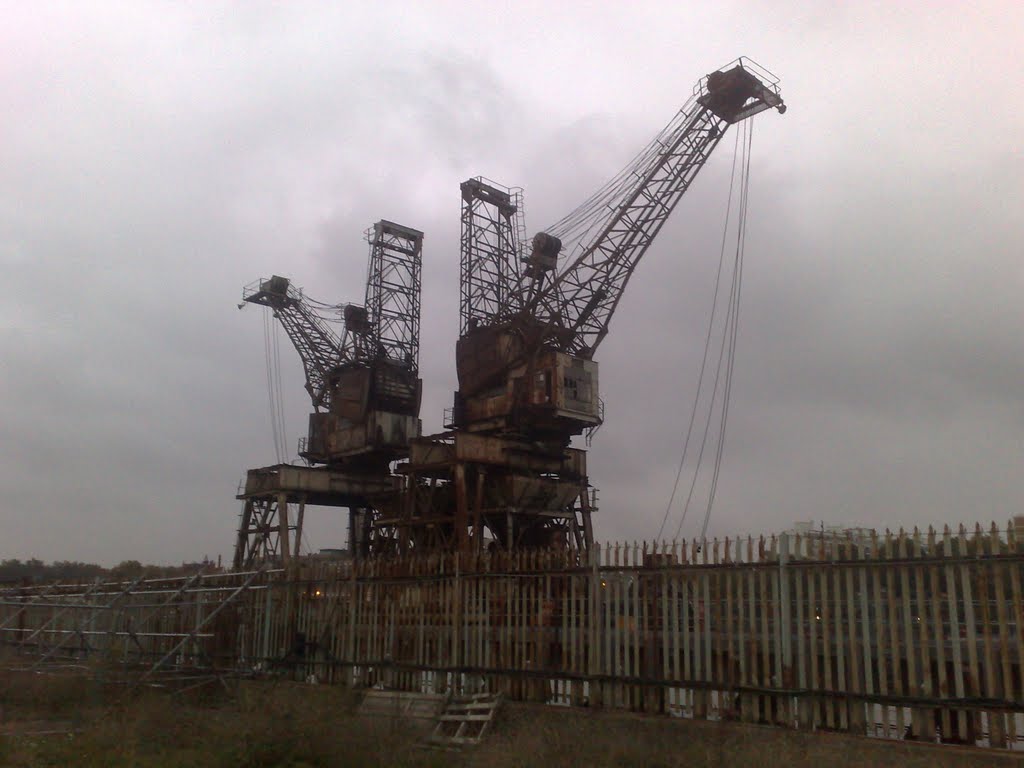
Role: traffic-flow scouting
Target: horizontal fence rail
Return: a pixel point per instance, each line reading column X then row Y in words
column 910, row 635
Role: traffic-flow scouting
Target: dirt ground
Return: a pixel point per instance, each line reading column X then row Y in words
column 532, row 735
column 68, row 720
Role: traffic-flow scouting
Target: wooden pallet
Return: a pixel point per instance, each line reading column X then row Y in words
column 465, row 720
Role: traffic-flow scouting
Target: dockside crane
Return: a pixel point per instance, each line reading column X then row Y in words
column 525, row 365
column 505, row 474
column 365, row 391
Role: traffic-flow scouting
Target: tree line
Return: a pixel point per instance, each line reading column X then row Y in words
column 34, row 571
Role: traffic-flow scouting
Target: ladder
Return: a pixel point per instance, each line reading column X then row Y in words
column 465, row 720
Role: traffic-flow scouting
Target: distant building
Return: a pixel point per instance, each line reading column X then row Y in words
column 333, row 553
column 835, row 540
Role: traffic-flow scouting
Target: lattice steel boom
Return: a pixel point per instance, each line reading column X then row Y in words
column 319, row 348
column 580, row 301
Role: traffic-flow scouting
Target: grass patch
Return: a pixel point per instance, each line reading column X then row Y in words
column 293, row 725
column 260, row 725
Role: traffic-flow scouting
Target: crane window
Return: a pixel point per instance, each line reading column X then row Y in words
column 576, row 389
column 571, row 388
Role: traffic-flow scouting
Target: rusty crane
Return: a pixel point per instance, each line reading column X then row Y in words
column 504, row 474
column 365, row 389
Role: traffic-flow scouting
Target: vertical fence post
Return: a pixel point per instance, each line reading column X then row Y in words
column 350, row 645
column 783, row 619
column 268, row 612
column 865, row 620
column 594, row 645
column 456, row 656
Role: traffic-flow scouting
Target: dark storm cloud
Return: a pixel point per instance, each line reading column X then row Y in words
column 157, row 158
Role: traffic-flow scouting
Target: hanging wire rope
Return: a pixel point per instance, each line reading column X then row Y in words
column 268, row 358
column 726, row 353
column 275, row 389
column 707, row 422
column 576, row 227
column 741, row 239
column 707, row 346
column 330, row 313
column 724, row 366
column 279, row 390
column 618, row 184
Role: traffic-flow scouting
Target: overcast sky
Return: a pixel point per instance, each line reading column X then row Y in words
column 156, row 157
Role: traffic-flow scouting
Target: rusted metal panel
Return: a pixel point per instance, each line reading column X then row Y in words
column 541, row 494
column 381, row 430
column 351, row 394
column 332, row 437
column 576, row 462
column 314, row 481
column 493, row 407
column 513, row 454
column 482, row 358
column 552, row 390
column 429, row 451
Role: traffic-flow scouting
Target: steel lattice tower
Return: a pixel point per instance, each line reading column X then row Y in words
column 393, row 293
column 489, row 266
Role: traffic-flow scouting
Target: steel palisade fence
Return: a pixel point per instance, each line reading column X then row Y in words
column 900, row 635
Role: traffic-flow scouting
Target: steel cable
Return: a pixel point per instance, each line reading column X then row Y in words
column 727, row 348
column 282, row 430
column 707, row 347
column 741, row 239
column 576, row 226
column 268, row 357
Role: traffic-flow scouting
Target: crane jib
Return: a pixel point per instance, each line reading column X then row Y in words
column 582, row 296
column 364, row 383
